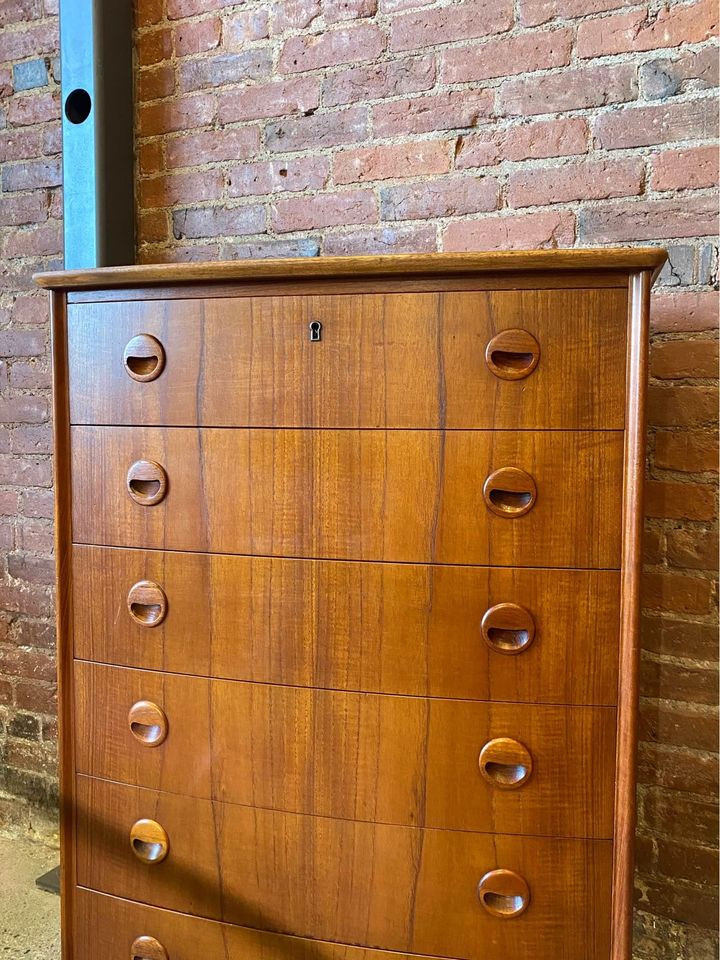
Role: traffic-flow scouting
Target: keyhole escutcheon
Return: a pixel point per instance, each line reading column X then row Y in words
column 315, row 331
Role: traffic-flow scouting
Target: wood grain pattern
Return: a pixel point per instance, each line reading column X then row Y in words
column 389, row 887
column 383, row 759
column 384, row 628
column 629, row 653
column 398, row 266
column 396, row 361
column 108, row 926
column 411, row 496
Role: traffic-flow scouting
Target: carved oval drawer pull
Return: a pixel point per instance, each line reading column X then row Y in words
column 144, row 358
column 146, row 482
column 148, row 723
column 504, row 894
column 510, row 492
column 149, row 841
column 512, row 354
column 148, row 948
column 505, row 763
column 147, row 603
column 508, row 628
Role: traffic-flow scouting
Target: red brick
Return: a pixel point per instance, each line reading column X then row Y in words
column 378, row 80
column 275, row 99
column 460, row 21
column 680, row 359
column 15, row 11
column 30, row 375
column 679, row 861
column 662, row 680
column 576, row 88
column 682, row 406
column 155, row 83
column 502, row 58
column 197, row 36
column 154, row 46
column 693, row 549
column 689, row 501
column 686, row 312
column 21, row 343
column 218, row 222
column 8, row 503
column 692, row 216
column 688, row 169
column 38, row 503
column 336, row 127
column 37, row 697
column 43, row 241
column 676, row 592
column 32, row 439
column 178, row 9
column 36, row 536
column 661, row 123
column 32, row 570
column 635, row 31
column 589, row 180
column 387, row 239
column 420, row 157
column 334, row 47
column 255, row 63
column 33, row 108
column 277, row 176
column 294, row 14
column 528, row 141
column 687, row 451
column 441, row 197
column 245, row 27
column 149, row 12
column 653, row 546
column 681, row 725
column 211, row 146
column 445, row 111
column 324, row 210
column 680, row 638
column 183, row 114
column 535, row 12
column 26, row 755
column 33, row 600
column 20, row 144
column 150, row 157
column 678, row 816
column 181, row 188
column 28, row 208
column 338, row 10
column 31, row 176
column 153, row 226
column 33, row 41
column 512, row 232
column 23, row 410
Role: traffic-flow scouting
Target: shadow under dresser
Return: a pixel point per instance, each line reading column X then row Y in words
column 348, row 562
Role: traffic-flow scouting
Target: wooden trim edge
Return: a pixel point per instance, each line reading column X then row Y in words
column 629, row 652
column 63, row 573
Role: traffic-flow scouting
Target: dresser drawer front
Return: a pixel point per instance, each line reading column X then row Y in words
column 510, row 498
column 380, row 628
column 394, row 360
column 390, row 887
column 107, row 927
column 436, row 763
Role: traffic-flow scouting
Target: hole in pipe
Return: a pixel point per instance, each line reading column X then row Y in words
column 78, row 106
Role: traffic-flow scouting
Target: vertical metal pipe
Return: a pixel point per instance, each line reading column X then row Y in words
column 97, row 120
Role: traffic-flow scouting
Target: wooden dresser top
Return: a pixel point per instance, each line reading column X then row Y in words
column 399, row 265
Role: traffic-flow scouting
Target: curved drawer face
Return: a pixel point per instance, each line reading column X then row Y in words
column 379, row 628
column 394, row 360
column 107, row 926
column 509, row 498
column 388, row 887
column 545, row 771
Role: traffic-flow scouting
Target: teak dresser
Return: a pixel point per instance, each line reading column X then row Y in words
column 348, row 558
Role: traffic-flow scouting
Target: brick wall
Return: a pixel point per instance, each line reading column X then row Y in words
column 306, row 127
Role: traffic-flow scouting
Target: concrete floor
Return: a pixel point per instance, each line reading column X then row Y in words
column 29, row 918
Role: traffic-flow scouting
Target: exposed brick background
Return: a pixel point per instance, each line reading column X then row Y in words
column 306, row 127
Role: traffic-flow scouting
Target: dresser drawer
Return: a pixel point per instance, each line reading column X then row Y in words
column 390, row 887
column 555, row 359
column 513, row 498
column 374, row 627
column 545, row 770
column 110, row 928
